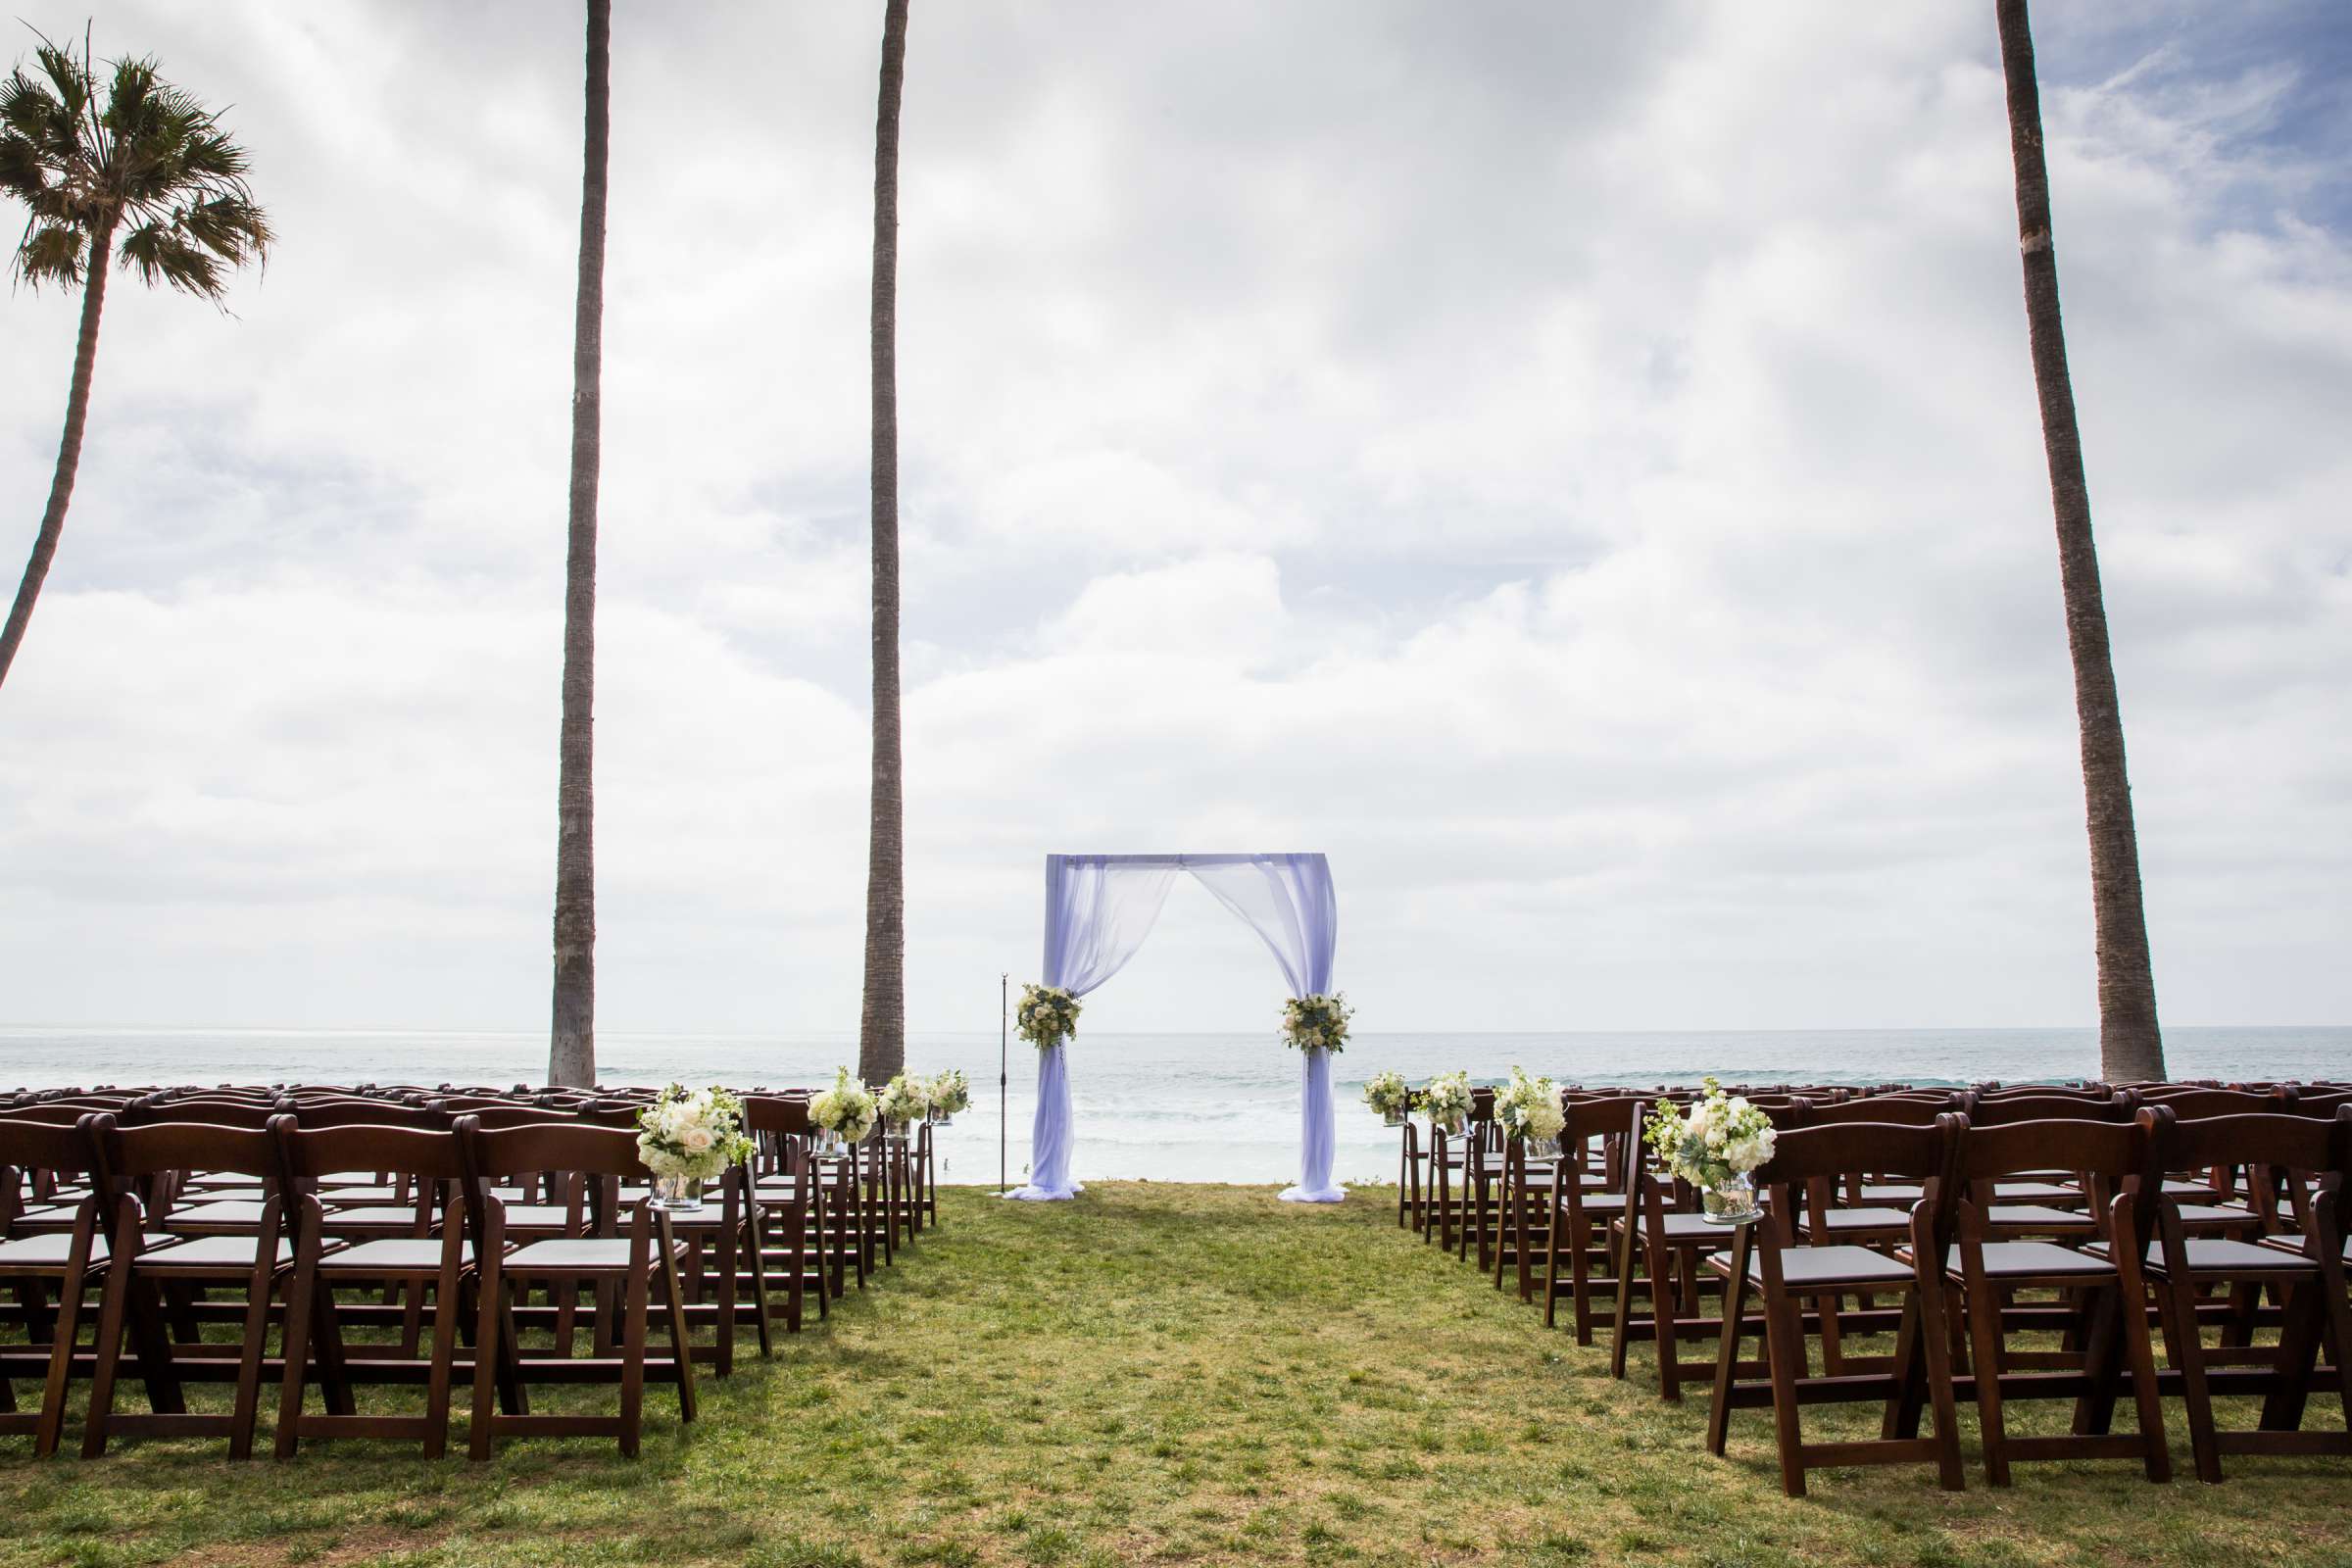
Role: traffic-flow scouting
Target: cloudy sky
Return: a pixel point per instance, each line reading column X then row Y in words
column 1576, row 465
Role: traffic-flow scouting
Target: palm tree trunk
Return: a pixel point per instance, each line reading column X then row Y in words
column 882, row 1029
column 572, row 1044
column 69, row 451
column 2130, row 1047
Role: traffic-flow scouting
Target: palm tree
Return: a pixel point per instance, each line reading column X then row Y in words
column 143, row 160
column 2130, row 1047
column 882, row 1028
column 571, row 1038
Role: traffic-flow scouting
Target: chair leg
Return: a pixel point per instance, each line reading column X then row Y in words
column 1784, row 1347
column 245, row 1414
column 680, row 1346
column 107, row 1359
column 1984, row 1333
column 64, row 1333
column 1935, row 1348
column 447, row 1305
column 633, row 1353
column 489, row 1347
column 1665, row 1306
column 2189, row 1351
column 295, row 1345
column 2132, row 1321
column 1727, row 1347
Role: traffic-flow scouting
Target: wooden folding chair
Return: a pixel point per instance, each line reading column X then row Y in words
column 317, row 1349
column 143, row 1271
column 503, row 1373
column 1764, row 1263
column 72, row 1260
column 1579, row 1215
column 2105, row 1297
column 2308, row 1276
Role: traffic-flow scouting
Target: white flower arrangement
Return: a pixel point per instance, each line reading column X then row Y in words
column 847, row 1109
column 950, row 1092
column 1447, row 1098
column 903, row 1100
column 1718, row 1138
column 1316, row 1023
column 1046, row 1017
column 1530, row 1107
column 1386, row 1093
column 695, row 1135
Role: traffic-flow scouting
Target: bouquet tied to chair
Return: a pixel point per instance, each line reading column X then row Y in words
column 689, row 1137
column 1529, row 1110
column 846, row 1112
column 1716, row 1145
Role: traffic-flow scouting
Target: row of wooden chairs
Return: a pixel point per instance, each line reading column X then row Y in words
column 148, row 1214
column 1959, row 1221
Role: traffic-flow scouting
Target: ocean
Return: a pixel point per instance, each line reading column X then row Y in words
column 1217, row 1108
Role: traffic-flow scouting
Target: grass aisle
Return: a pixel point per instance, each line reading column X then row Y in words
column 1155, row 1374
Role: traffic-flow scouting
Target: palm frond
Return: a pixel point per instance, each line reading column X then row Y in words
column 162, row 253
column 51, row 253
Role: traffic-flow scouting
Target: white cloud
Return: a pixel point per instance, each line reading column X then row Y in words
column 1585, row 478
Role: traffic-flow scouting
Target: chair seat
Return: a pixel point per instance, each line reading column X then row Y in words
column 233, row 1215
column 581, row 1255
column 2038, row 1216
column 51, row 1250
column 394, row 1254
column 1845, row 1221
column 2032, row 1192
column 537, row 1218
column 1600, row 1203
column 48, row 1217
column 1903, row 1193
column 375, row 1217
column 2040, row 1260
column 2213, row 1255
column 1811, row 1267
column 212, row 1253
column 2179, row 1187
column 2215, row 1214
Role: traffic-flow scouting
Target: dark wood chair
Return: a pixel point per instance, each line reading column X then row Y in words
column 2308, row 1276
column 316, row 1348
column 70, row 1260
column 631, row 1265
column 143, row 1273
column 2106, row 1336
column 1765, row 1265
column 1581, row 1215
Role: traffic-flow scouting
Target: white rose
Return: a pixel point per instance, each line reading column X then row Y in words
column 697, row 1139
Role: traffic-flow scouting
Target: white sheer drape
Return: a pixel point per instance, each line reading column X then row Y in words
column 1288, row 900
column 1099, row 907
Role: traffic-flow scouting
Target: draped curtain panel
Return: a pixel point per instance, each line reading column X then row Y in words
column 1099, row 907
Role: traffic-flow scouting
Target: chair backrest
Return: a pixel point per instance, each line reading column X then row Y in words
column 492, row 1155
column 2004, row 1109
column 252, row 1115
column 503, row 1115
column 309, row 1154
column 2202, row 1105
column 2262, row 1139
column 131, row 1151
column 1880, row 1148
column 371, row 1114
column 783, row 1114
column 1878, row 1109
column 2116, row 1151
column 27, row 1146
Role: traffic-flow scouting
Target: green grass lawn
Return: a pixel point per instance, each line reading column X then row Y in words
column 1155, row 1374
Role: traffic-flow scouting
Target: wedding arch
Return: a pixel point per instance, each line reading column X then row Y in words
column 1099, row 907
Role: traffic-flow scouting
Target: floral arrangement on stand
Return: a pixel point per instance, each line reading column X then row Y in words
column 1716, row 1145
column 847, row 1110
column 1529, row 1110
column 1388, row 1094
column 902, row 1102
column 1046, row 1017
column 689, row 1137
column 950, row 1092
column 1447, row 1098
column 1316, row 1023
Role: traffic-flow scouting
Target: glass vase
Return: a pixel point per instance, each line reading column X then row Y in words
column 1540, row 1147
column 1391, row 1118
column 676, row 1195
column 1730, row 1202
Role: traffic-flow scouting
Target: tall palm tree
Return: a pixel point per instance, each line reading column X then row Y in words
column 2130, row 1047
column 142, row 161
column 882, row 1028
column 572, row 1039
